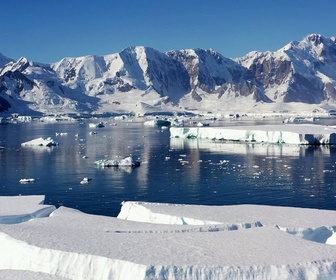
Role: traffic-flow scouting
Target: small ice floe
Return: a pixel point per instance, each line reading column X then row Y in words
column 84, row 157
column 26, row 181
column 120, row 118
column 85, row 180
column 202, row 124
column 128, row 161
column 96, row 125
column 156, row 122
column 61, row 133
column 92, row 132
column 41, row 142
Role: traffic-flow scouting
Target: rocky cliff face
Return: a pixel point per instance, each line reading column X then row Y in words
column 302, row 71
column 210, row 72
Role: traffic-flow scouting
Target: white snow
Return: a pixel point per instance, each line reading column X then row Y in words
column 40, row 142
column 283, row 134
column 167, row 241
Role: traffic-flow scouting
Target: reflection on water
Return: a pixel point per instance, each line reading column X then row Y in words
column 261, row 149
column 172, row 170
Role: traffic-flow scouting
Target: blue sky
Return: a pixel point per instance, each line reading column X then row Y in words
column 47, row 31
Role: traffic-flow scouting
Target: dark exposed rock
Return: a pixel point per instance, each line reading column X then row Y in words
column 4, row 105
column 196, row 96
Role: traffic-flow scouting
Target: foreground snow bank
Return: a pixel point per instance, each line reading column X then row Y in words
column 171, row 242
column 299, row 134
column 19, row 209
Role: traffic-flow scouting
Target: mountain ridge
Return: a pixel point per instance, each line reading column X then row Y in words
column 143, row 80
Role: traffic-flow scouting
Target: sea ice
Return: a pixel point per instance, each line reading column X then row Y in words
column 30, row 207
column 168, row 241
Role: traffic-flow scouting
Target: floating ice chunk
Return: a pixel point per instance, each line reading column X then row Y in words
column 128, row 161
column 85, row 180
column 25, row 181
column 24, row 118
column 177, row 122
column 157, row 123
column 120, row 118
column 202, row 124
column 96, row 125
column 41, row 142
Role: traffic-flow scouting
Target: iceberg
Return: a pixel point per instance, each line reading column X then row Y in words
column 96, row 125
column 167, row 241
column 85, row 180
column 27, row 180
column 128, row 161
column 297, row 134
column 40, row 142
column 157, row 122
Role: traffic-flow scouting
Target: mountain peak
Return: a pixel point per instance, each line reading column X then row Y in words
column 315, row 39
column 302, row 71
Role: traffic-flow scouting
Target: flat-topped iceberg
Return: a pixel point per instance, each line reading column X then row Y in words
column 299, row 134
column 168, row 241
column 40, row 142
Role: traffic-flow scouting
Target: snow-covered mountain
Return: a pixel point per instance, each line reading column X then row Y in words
column 302, row 71
column 142, row 79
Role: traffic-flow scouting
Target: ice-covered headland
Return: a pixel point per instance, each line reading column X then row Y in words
column 297, row 134
column 165, row 241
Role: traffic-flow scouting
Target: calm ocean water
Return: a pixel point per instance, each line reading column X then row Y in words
column 172, row 170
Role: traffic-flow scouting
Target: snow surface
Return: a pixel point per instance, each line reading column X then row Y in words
column 167, row 241
column 282, row 134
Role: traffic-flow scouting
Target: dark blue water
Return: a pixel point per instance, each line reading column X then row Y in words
column 172, row 170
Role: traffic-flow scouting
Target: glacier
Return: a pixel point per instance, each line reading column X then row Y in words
column 166, row 241
column 297, row 134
